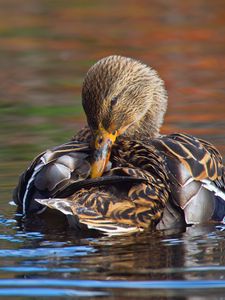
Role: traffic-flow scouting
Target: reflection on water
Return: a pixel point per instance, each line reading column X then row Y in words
column 151, row 264
column 45, row 51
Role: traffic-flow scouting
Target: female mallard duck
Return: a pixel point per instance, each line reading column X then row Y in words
column 119, row 174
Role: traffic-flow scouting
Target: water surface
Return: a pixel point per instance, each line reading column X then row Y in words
column 46, row 47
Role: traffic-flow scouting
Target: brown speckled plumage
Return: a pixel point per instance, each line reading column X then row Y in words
column 150, row 180
column 140, row 96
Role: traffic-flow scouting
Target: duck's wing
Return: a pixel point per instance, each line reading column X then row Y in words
column 196, row 174
column 51, row 171
column 128, row 205
column 68, row 190
column 79, row 215
column 134, row 200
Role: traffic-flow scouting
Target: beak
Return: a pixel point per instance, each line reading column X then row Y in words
column 103, row 145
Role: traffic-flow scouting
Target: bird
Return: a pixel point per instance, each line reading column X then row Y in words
column 119, row 174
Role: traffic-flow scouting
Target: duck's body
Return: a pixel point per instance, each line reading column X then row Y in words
column 139, row 179
column 129, row 197
column 168, row 182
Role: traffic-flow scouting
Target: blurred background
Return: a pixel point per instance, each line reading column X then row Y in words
column 46, row 48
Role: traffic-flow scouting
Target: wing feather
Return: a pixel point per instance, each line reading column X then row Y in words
column 196, row 176
column 200, row 158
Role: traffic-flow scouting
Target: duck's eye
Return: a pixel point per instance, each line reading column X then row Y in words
column 114, row 101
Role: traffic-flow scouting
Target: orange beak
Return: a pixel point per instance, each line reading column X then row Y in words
column 103, row 145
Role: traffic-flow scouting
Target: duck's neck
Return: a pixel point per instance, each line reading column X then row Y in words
column 150, row 124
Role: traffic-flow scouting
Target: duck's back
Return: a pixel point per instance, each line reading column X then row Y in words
column 196, row 178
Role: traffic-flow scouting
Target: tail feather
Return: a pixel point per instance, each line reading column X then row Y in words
column 210, row 185
column 219, row 209
column 89, row 218
column 63, row 205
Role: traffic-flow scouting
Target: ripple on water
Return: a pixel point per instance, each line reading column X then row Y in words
column 88, row 288
column 48, row 252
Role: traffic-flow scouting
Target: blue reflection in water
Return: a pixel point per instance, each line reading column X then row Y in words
column 49, row 252
column 37, row 292
column 74, row 287
column 171, row 284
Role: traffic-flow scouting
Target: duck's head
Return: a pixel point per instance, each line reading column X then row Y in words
column 121, row 96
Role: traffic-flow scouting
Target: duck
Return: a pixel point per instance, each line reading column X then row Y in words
column 119, row 174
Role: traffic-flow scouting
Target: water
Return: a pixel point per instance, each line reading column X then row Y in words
column 46, row 48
